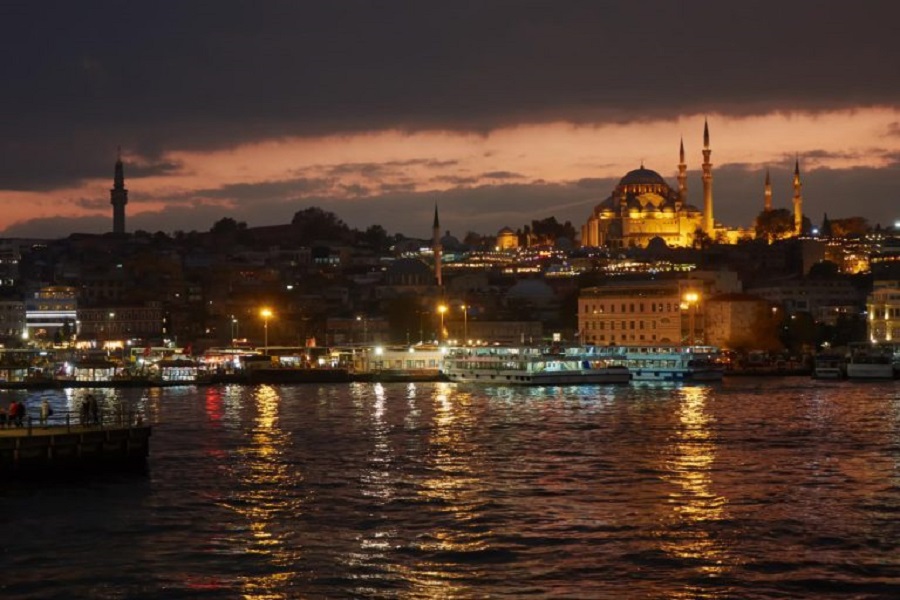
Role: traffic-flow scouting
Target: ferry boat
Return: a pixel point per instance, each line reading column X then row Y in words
column 669, row 363
column 829, row 366
column 532, row 366
column 871, row 362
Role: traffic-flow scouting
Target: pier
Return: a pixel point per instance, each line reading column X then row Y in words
column 35, row 451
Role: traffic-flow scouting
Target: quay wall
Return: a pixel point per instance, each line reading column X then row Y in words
column 24, row 452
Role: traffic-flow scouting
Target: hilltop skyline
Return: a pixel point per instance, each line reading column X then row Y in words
column 499, row 112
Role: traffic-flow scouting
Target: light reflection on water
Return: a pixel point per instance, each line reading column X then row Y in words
column 749, row 489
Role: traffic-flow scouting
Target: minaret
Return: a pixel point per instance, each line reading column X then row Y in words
column 768, row 205
column 798, row 200
column 708, row 221
column 436, row 245
column 682, row 176
column 118, row 197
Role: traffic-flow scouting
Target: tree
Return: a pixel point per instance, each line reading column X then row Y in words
column 774, row 224
column 227, row 225
column 313, row 223
column 376, row 238
column 701, row 239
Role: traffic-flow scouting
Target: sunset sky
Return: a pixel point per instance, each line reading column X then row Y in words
column 499, row 112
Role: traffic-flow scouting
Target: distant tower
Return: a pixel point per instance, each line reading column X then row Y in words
column 436, row 245
column 682, row 176
column 768, row 204
column 118, row 197
column 708, row 221
column 798, row 200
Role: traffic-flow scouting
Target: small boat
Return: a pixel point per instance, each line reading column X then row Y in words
column 526, row 365
column 829, row 366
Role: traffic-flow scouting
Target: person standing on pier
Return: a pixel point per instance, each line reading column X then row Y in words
column 46, row 411
column 94, row 408
column 84, row 410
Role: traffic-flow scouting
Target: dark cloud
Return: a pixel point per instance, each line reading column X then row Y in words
column 153, row 76
column 502, row 175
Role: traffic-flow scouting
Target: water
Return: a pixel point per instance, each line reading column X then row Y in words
column 777, row 488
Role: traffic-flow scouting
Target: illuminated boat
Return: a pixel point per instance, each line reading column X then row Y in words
column 669, row 363
column 525, row 365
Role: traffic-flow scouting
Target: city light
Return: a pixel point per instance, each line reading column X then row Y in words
column 442, row 308
column 265, row 314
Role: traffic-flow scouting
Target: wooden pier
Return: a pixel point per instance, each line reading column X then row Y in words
column 35, row 451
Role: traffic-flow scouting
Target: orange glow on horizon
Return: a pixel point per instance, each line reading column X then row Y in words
column 440, row 160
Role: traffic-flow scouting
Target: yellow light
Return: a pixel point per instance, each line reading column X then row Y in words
column 442, row 308
column 265, row 313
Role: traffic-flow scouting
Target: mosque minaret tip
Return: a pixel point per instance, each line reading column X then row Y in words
column 768, row 193
column 436, row 246
column 798, row 199
column 682, row 176
column 118, row 196
column 708, row 220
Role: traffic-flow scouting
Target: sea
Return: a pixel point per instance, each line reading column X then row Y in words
column 750, row 488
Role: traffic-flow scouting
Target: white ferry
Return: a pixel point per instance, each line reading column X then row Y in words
column 532, row 366
column 868, row 361
column 669, row 363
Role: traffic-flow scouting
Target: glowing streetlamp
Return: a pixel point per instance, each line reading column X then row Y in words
column 265, row 314
column 234, row 328
column 691, row 299
column 465, row 310
column 442, row 308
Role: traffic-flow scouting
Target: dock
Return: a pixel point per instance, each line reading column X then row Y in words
column 42, row 450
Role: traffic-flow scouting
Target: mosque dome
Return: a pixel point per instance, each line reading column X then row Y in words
column 642, row 176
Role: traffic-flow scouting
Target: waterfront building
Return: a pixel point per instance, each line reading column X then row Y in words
column 116, row 325
column 741, row 321
column 813, row 296
column 12, row 320
column 883, row 311
column 641, row 313
column 51, row 311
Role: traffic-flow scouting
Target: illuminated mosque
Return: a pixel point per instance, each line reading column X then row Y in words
column 643, row 207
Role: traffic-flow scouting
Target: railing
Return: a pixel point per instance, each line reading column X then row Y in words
column 117, row 418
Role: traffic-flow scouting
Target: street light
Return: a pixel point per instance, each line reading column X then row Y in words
column 465, row 310
column 365, row 323
column 442, row 309
column 266, row 313
column 234, row 329
column 691, row 299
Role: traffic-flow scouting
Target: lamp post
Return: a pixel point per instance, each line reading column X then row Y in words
column 465, row 310
column 265, row 313
column 234, row 329
column 691, row 299
column 442, row 309
column 365, row 325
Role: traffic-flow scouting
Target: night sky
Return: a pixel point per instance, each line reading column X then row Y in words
column 499, row 112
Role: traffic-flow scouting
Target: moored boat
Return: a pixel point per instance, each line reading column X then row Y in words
column 527, row 365
column 871, row 362
column 829, row 366
column 669, row 363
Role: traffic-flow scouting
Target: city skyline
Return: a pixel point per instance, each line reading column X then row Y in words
column 500, row 112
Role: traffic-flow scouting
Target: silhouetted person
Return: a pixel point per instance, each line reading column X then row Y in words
column 94, row 408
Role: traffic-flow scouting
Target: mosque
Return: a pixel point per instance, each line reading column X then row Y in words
column 643, row 206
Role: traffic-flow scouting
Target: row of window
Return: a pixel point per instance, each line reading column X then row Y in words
column 601, row 325
column 622, row 337
column 630, row 307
